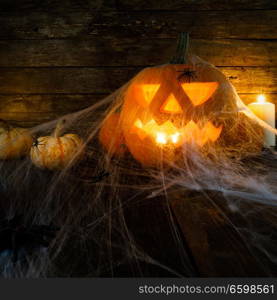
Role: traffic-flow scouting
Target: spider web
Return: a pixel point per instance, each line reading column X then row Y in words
column 122, row 224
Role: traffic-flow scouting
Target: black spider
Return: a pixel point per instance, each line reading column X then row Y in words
column 100, row 177
column 14, row 236
column 187, row 74
column 37, row 143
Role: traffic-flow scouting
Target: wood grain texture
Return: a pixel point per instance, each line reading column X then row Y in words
column 194, row 5
column 60, row 56
column 249, row 98
column 30, row 110
column 252, row 80
column 216, row 244
column 106, row 80
column 126, row 52
column 224, row 240
column 241, row 24
column 24, row 119
column 51, row 5
column 63, row 103
column 63, row 80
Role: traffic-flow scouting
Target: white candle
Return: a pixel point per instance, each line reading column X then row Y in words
column 266, row 112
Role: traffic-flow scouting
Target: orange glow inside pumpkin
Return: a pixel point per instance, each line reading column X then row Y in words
column 199, row 92
column 167, row 133
column 171, row 105
column 149, row 91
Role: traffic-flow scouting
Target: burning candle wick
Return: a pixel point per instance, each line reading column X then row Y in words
column 261, row 99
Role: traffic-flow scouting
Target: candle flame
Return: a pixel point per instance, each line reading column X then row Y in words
column 261, row 99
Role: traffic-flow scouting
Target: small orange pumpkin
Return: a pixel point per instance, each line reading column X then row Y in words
column 56, row 152
column 14, row 142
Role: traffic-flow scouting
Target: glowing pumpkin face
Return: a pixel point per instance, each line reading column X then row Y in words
column 166, row 107
column 163, row 109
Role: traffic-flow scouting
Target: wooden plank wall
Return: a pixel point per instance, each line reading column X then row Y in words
column 59, row 56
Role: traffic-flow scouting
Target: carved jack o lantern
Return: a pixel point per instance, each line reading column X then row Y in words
column 168, row 107
column 159, row 113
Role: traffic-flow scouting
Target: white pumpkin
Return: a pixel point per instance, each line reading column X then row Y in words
column 14, row 142
column 56, row 152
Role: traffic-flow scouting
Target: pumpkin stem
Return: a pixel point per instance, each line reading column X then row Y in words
column 59, row 128
column 180, row 56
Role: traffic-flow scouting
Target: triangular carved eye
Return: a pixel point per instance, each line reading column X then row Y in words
column 149, row 91
column 199, row 92
column 171, row 105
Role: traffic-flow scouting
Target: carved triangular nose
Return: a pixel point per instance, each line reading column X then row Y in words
column 171, row 105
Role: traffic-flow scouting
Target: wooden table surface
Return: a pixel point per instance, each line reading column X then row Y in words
column 190, row 234
column 221, row 240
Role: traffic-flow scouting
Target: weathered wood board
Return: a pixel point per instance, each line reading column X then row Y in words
column 69, row 54
column 212, row 233
column 229, row 236
column 75, row 80
column 132, row 52
column 83, row 24
column 30, row 110
column 49, row 5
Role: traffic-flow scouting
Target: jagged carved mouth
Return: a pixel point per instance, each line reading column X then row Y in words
column 167, row 133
